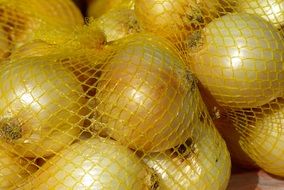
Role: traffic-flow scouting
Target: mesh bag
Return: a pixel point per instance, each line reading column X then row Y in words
column 141, row 94
column 235, row 50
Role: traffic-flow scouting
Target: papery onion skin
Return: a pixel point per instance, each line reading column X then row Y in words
column 41, row 106
column 270, row 10
column 118, row 23
column 239, row 60
column 145, row 96
column 93, row 164
column 206, row 166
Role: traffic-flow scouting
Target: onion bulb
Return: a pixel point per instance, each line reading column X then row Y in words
column 265, row 140
column 270, row 10
column 93, row 164
column 23, row 20
column 203, row 164
column 14, row 169
column 41, row 107
column 239, row 59
column 98, row 8
column 175, row 19
column 48, row 11
column 118, row 23
column 145, row 96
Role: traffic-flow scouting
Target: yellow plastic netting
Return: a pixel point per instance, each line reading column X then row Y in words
column 145, row 94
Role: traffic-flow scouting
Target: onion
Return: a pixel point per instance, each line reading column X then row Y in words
column 23, row 20
column 175, row 19
column 270, row 10
column 239, row 59
column 118, row 23
column 264, row 141
column 99, row 7
column 14, row 169
column 93, row 164
column 41, row 106
column 145, row 97
column 204, row 164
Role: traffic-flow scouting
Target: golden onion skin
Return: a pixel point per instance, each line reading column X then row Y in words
column 41, row 106
column 204, row 165
column 93, row 164
column 239, row 60
column 118, row 23
column 145, row 96
column 270, row 10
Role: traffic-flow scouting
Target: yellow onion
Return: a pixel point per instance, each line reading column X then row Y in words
column 239, row 59
column 97, row 8
column 264, row 141
column 270, row 10
column 145, row 96
column 176, row 18
column 41, row 106
column 93, row 164
column 47, row 11
column 14, row 169
column 22, row 21
column 118, row 23
column 202, row 165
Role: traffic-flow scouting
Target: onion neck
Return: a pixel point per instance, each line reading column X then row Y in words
column 11, row 129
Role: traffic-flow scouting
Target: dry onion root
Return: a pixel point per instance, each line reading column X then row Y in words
column 145, row 97
column 41, row 106
column 203, row 164
column 93, row 164
column 239, row 59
